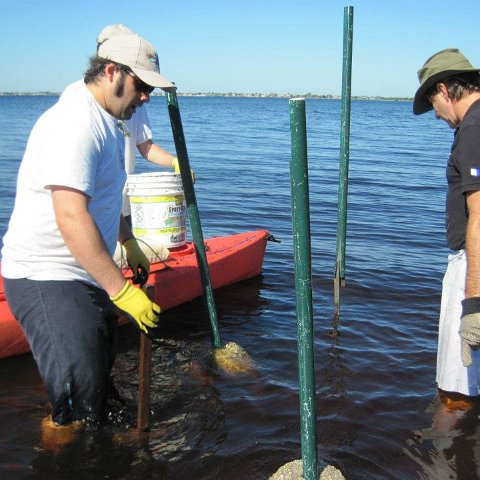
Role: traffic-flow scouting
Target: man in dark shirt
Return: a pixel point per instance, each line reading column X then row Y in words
column 450, row 86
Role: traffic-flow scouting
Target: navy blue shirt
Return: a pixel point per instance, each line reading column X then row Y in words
column 463, row 175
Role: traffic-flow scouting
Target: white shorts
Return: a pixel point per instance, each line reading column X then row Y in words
column 452, row 376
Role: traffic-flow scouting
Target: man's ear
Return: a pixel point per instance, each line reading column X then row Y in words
column 442, row 88
column 110, row 70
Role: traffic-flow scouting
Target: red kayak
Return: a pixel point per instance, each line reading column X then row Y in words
column 177, row 279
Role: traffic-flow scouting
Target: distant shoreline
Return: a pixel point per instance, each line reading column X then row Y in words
column 232, row 94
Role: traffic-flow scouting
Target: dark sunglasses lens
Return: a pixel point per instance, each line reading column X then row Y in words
column 143, row 87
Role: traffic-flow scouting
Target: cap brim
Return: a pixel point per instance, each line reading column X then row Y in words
column 420, row 103
column 153, row 79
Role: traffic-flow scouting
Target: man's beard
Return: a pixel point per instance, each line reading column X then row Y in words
column 119, row 92
column 120, row 87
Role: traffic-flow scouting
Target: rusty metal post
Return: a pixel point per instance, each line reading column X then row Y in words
column 144, row 373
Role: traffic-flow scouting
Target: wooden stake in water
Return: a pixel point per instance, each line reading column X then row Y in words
column 303, row 286
column 339, row 275
column 144, row 373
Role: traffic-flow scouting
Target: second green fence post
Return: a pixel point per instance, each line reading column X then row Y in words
column 303, row 286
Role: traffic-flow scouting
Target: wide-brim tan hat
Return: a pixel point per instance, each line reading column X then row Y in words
column 138, row 54
column 438, row 67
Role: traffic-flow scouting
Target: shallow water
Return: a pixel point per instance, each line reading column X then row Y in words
column 376, row 398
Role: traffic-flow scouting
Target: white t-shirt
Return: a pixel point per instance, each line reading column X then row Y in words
column 76, row 144
column 136, row 130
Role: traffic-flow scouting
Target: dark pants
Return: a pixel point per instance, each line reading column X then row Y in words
column 71, row 328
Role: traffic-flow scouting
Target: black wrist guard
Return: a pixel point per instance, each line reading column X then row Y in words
column 470, row 305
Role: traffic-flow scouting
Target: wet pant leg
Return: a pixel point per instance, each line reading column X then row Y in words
column 71, row 328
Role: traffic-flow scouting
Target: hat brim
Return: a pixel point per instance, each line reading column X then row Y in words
column 420, row 103
column 153, row 79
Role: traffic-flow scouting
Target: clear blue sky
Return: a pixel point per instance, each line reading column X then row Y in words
column 284, row 46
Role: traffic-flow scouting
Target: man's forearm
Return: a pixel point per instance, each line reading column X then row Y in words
column 82, row 237
column 472, row 281
column 125, row 232
column 155, row 154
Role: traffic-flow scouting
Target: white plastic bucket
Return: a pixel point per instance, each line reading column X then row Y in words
column 168, row 178
column 158, row 208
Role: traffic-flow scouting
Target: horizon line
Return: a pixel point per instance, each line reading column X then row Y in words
column 231, row 94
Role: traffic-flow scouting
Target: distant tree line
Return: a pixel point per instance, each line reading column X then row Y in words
column 235, row 94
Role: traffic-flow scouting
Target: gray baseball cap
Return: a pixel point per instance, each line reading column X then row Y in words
column 111, row 30
column 136, row 53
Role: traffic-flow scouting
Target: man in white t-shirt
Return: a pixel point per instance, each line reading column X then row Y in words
column 60, row 280
column 138, row 134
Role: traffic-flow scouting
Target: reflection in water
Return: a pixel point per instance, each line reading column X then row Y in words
column 187, row 419
column 450, row 448
column 333, row 403
column 187, row 411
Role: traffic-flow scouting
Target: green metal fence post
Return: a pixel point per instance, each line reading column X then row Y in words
column 192, row 210
column 303, row 286
column 339, row 276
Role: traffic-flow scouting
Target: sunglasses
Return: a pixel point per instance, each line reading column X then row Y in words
column 140, row 85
